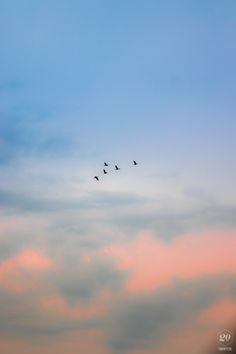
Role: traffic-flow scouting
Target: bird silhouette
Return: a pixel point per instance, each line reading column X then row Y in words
column 96, row 177
column 105, row 164
column 105, row 172
column 117, row 168
column 135, row 163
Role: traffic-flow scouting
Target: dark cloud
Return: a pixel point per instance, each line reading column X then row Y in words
column 139, row 320
column 80, row 282
column 23, row 316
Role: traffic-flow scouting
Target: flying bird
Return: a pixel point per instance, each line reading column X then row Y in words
column 117, row 168
column 105, row 164
column 105, row 172
column 135, row 163
column 96, row 177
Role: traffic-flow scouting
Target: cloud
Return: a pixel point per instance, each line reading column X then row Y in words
column 167, row 223
column 83, row 281
column 138, row 320
column 82, row 341
column 220, row 313
column 23, row 203
column 16, row 273
column 152, row 262
column 28, row 258
column 22, row 232
column 40, row 296
column 24, row 290
column 23, row 316
column 30, row 203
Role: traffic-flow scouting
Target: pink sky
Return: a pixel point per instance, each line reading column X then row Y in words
column 151, row 263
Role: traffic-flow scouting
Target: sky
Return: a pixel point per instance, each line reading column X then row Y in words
column 142, row 261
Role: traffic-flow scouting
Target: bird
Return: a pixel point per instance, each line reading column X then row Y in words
column 105, row 164
column 105, row 172
column 96, row 177
column 135, row 163
column 117, row 168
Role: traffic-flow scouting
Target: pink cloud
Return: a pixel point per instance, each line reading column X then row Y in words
column 28, row 258
column 12, row 274
column 220, row 313
column 56, row 304
column 32, row 259
column 154, row 262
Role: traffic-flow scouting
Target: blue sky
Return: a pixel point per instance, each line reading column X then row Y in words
column 86, row 82
column 156, row 71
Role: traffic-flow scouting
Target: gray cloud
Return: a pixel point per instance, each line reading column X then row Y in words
column 168, row 224
column 80, row 282
column 23, row 203
column 23, row 316
column 9, row 247
column 29, row 203
column 67, row 225
column 26, row 232
column 137, row 321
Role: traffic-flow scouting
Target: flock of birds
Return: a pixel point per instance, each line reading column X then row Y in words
column 116, row 169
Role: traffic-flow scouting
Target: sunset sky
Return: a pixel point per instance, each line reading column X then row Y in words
column 143, row 261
